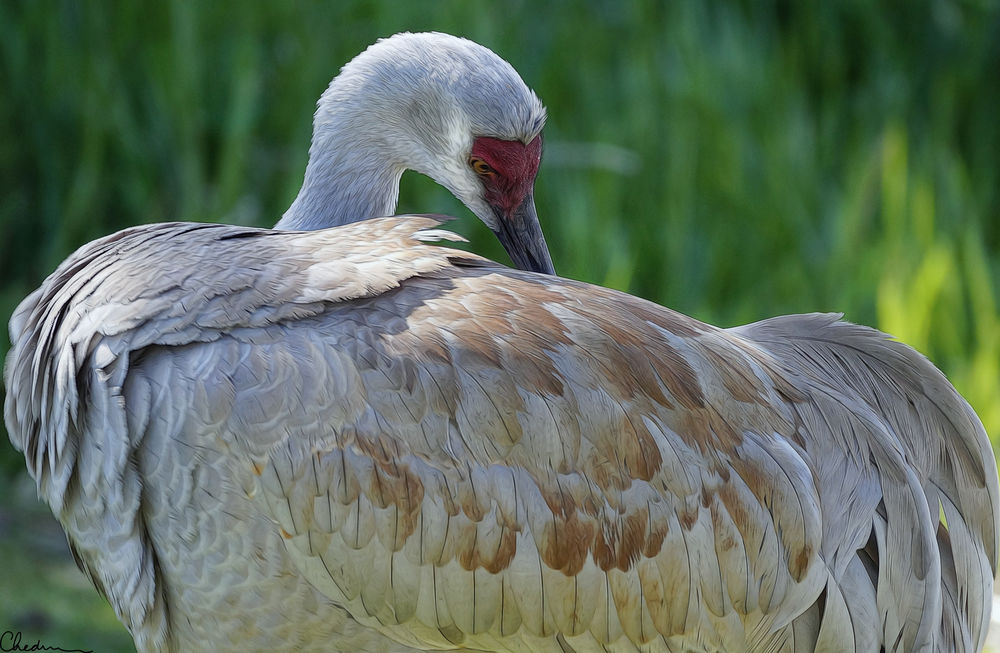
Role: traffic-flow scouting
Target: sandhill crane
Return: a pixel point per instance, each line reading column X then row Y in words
column 350, row 439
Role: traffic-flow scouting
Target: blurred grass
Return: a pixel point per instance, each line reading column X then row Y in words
column 733, row 160
column 42, row 593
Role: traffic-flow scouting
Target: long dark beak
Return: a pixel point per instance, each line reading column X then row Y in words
column 521, row 235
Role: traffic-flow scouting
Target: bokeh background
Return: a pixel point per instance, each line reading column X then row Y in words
column 732, row 160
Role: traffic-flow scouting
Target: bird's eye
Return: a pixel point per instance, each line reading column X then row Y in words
column 481, row 168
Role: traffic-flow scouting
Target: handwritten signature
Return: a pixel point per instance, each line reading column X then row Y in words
column 11, row 641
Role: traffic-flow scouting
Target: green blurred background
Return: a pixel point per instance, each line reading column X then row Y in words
column 732, row 160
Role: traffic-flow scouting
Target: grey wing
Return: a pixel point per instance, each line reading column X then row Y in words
column 78, row 338
column 936, row 451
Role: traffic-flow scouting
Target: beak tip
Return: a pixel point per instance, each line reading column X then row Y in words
column 521, row 235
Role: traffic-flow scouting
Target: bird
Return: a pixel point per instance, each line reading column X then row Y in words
column 354, row 438
column 357, row 439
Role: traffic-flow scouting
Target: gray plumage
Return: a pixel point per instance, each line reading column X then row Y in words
column 351, row 440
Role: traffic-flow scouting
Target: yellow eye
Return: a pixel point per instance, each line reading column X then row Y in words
column 481, row 168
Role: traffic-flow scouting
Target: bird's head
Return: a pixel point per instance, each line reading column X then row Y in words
column 450, row 109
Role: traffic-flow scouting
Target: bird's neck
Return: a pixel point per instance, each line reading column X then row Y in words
column 350, row 177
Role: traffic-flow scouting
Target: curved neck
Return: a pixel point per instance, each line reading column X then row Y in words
column 350, row 177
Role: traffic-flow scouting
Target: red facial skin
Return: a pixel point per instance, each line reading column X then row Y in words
column 515, row 166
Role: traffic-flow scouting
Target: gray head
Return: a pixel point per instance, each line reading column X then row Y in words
column 443, row 106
